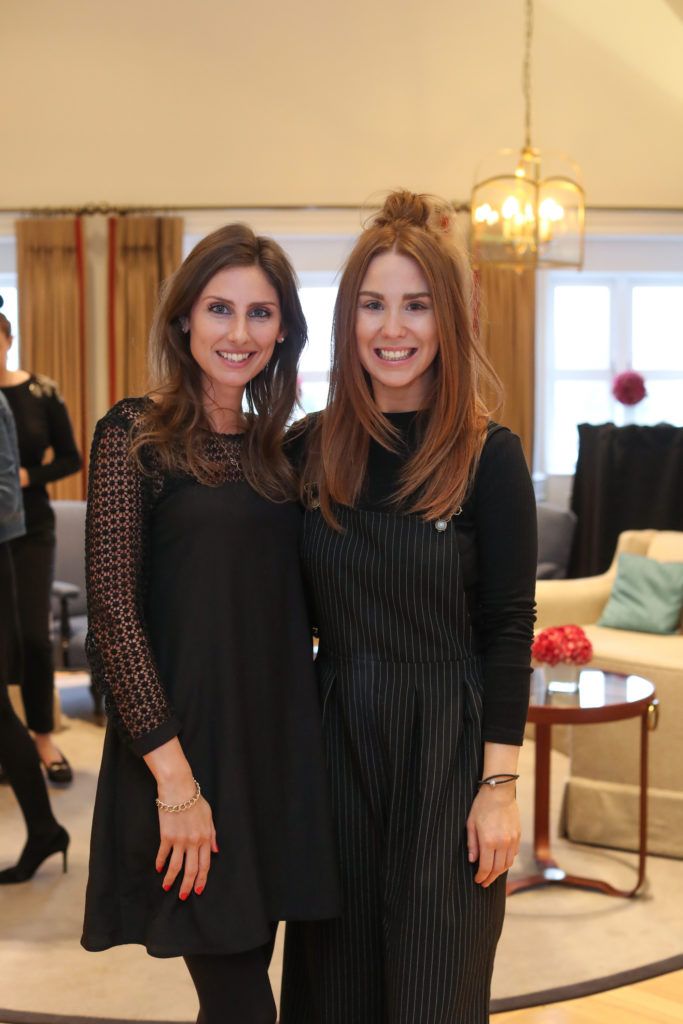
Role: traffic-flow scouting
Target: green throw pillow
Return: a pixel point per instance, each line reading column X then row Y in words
column 647, row 596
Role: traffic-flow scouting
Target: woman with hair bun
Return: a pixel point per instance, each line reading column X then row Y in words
column 419, row 553
column 199, row 639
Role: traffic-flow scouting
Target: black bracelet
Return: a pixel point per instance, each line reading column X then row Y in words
column 497, row 780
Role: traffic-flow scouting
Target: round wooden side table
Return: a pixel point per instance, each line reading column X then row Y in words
column 601, row 697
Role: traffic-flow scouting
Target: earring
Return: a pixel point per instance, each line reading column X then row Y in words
column 184, row 324
column 280, row 340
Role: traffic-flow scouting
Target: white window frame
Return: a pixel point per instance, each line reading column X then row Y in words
column 8, row 279
column 621, row 285
column 317, row 279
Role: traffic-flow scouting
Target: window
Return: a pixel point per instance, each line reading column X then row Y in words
column 10, row 308
column 317, row 293
column 592, row 327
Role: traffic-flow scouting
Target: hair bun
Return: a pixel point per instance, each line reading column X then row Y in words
column 415, row 210
column 405, row 207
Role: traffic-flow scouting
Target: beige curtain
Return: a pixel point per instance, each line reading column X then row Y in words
column 52, row 319
column 143, row 252
column 507, row 312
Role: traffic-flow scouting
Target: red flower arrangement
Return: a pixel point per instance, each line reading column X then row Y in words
column 629, row 388
column 568, row 644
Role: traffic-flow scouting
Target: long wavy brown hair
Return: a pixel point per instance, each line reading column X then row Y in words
column 436, row 478
column 175, row 424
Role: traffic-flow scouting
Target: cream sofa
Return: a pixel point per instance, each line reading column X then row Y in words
column 601, row 798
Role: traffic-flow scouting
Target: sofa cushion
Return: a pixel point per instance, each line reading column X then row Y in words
column 647, row 595
column 666, row 546
column 634, row 653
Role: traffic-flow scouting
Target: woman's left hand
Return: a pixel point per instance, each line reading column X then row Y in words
column 493, row 832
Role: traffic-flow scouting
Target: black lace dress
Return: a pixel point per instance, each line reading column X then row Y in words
column 198, row 628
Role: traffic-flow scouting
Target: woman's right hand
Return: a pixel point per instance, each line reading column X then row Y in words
column 188, row 838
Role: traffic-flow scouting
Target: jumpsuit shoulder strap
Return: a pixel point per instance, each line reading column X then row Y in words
column 493, row 428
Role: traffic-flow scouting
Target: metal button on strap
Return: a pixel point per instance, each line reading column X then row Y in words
column 441, row 524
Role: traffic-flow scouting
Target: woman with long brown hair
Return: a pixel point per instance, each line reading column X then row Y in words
column 199, row 640
column 419, row 552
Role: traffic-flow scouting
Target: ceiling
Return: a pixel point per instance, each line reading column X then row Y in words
column 313, row 102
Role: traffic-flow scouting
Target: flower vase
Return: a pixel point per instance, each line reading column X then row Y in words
column 562, row 678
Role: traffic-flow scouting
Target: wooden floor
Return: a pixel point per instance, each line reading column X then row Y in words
column 658, row 1001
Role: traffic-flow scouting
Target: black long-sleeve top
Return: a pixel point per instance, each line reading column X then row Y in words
column 497, row 540
column 122, row 503
column 42, row 422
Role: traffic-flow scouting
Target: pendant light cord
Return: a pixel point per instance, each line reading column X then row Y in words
column 526, row 71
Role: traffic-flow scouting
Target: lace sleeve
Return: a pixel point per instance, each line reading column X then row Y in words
column 118, row 647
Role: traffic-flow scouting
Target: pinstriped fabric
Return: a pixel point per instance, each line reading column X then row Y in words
column 402, row 709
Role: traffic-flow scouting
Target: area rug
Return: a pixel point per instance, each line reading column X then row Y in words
column 556, row 943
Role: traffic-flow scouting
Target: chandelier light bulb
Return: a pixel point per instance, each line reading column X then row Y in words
column 510, row 208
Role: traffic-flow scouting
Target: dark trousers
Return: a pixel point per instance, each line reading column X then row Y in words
column 234, row 989
column 18, row 754
column 34, row 556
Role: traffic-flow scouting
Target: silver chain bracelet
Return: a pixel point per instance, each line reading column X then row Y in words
column 177, row 808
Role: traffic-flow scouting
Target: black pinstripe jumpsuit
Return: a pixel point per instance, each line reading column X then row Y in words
column 401, row 687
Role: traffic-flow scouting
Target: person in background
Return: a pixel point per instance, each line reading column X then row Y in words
column 18, row 753
column 42, row 423
column 419, row 553
column 199, row 639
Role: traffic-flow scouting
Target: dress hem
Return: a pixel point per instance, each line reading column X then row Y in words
column 101, row 943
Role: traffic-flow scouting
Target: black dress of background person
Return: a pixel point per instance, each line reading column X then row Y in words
column 17, row 751
column 42, row 423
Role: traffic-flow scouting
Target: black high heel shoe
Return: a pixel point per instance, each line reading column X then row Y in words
column 33, row 855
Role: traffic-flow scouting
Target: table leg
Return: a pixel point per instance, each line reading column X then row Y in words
column 550, row 873
column 542, row 798
column 642, row 853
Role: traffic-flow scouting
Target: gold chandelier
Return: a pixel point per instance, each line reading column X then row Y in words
column 528, row 206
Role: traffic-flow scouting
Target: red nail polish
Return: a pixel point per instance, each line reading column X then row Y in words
column 217, row 850
column 184, row 895
column 199, row 890
column 158, row 870
column 166, row 887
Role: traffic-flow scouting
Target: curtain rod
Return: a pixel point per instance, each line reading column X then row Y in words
column 104, row 209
